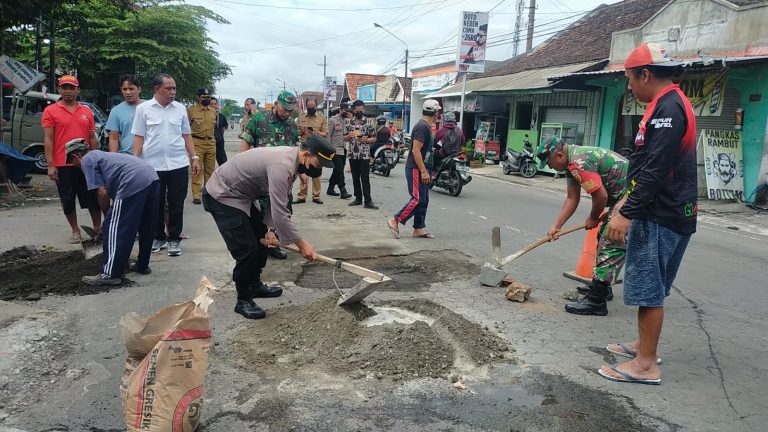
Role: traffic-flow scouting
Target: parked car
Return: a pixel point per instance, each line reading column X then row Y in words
column 23, row 131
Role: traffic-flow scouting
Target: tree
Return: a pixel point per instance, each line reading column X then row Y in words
column 230, row 106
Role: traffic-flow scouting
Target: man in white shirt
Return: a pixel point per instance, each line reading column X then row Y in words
column 163, row 138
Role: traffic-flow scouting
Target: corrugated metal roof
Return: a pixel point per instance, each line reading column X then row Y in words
column 525, row 80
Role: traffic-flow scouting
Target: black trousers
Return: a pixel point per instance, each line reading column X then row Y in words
column 173, row 192
column 242, row 234
column 361, row 179
column 337, row 178
column 221, row 153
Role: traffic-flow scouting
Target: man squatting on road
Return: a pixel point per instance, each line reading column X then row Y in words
column 232, row 196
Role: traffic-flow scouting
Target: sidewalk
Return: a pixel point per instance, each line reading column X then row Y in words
column 724, row 214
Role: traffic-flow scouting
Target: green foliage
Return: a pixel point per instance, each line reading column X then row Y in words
column 101, row 39
column 229, row 107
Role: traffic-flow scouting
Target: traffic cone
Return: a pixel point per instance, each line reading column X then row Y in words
column 583, row 272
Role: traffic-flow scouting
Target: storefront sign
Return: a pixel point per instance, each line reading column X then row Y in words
column 471, row 104
column 705, row 92
column 367, row 93
column 329, row 88
column 723, row 163
column 432, row 82
column 473, row 37
column 20, row 75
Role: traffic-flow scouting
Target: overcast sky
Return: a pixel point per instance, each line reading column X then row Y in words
column 287, row 40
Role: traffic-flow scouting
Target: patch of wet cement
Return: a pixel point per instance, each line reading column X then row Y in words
column 413, row 272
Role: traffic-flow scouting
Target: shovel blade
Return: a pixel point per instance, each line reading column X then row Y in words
column 491, row 276
column 91, row 249
column 363, row 289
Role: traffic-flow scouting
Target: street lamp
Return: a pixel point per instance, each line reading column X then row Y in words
column 405, row 80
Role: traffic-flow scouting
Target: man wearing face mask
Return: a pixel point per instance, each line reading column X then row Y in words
column 337, row 130
column 310, row 123
column 272, row 128
column 202, row 120
column 359, row 137
column 235, row 197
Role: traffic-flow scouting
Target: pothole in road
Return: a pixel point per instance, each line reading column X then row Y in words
column 27, row 273
column 338, row 340
column 412, row 272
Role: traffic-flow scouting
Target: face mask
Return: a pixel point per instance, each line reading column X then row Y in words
column 311, row 111
column 358, row 115
column 312, row 171
column 205, row 102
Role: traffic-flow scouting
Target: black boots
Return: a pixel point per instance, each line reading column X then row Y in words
column 277, row 253
column 344, row 194
column 593, row 303
column 584, row 290
column 261, row 290
column 332, row 192
column 249, row 309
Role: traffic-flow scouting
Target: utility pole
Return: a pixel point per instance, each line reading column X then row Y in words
column 52, row 56
column 518, row 28
column 325, row 102
column 405, row 84
column 531, row 19
column 38, row 42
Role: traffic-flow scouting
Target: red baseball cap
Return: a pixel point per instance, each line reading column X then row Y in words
column 69, row 79
column 650, row 54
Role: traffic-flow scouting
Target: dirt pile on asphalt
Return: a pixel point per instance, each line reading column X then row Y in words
column 27, row 273
column 336, row 340
column 413, row 272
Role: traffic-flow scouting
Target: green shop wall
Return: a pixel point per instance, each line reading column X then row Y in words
column 749, row 81
column 613, row 92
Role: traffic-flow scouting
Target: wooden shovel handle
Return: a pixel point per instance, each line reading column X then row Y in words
column 538, row 243
column 360, row 271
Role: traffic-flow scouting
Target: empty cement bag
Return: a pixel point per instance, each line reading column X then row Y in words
column 162, row 384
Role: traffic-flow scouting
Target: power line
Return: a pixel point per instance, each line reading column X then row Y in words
column 264, row 5
column 298, row 43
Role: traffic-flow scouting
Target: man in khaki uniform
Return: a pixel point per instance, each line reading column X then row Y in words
column 310, row 123
column 202, row 121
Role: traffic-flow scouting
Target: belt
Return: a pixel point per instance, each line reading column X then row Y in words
column 200, row 137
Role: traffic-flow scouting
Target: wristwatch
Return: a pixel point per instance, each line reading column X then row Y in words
column 195, row 157
column 272, row 230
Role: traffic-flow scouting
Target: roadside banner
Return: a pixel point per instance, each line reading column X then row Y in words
column 329, row 88
column 367, row 93
column 705, row 92
column 723, row 163
column 20, row 75
column 473, row 37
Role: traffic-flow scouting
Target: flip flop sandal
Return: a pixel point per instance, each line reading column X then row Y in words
column 425, row 235
column 395, row 232
column 628, row 352
column 627, row 378
column 75, row 240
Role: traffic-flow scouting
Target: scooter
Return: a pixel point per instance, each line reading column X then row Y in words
column 452, row 174
column 384, row 159
column 524, row 161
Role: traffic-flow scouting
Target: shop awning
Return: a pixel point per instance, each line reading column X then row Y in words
column 526, row 80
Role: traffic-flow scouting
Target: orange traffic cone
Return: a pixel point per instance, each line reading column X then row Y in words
column 583, row 272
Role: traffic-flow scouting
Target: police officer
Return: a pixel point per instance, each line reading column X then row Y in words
column 202, row 121
column 310, row 123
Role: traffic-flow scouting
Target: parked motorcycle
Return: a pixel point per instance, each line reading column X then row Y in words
column 384, row 160
column 523, row 162
column 452, row 174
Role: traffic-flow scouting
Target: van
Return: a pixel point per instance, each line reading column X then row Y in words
column 23, row 131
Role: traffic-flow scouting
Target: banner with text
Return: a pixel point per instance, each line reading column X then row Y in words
column 20, row 75
column 473, row 37
column 723, row 163
column 705, row 92
column 329, row 88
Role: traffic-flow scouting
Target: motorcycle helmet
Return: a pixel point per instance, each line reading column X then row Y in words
column 381, row 120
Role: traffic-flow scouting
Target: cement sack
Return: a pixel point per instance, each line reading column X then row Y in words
column 162, row 384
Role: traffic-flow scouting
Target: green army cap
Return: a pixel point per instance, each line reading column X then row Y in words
column 545, row 150
column 287, row 100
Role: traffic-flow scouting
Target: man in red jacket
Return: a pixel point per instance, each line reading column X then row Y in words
column 658, row 215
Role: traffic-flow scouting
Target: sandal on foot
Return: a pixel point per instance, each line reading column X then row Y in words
column 626, row 377
column 395, row 232
column 75, row 239
column 425, row 235
column 627, row 352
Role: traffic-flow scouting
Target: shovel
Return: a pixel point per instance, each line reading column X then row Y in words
column 371, row 281
column 492, row 274
column 92, row 246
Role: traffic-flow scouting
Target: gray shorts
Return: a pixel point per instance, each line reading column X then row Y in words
column 654, row 254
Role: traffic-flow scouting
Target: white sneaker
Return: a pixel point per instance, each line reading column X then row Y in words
column 174, row 248
column 157, row 245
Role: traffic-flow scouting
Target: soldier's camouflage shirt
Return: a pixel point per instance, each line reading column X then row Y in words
column 265, row 129
column 592, row 167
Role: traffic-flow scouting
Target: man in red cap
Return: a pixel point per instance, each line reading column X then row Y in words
column 658, row 215
column 62, row 122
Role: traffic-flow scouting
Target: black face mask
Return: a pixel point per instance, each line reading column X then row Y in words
column 205, row 102
column 358, row 115
column 311, row 111
column 312, row 171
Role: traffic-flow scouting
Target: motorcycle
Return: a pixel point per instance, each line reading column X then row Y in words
column 452, row 174
column 523, row 162
column 384, row 159
column 397, row 144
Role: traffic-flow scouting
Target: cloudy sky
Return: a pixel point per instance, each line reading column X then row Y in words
column 272, row 40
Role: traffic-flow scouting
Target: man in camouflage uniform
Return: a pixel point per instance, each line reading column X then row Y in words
column 602, row 174
column 272, row 128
